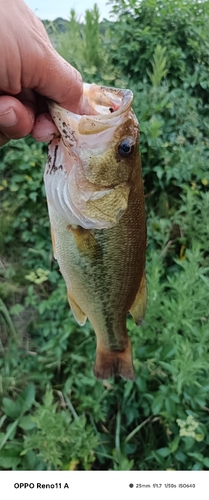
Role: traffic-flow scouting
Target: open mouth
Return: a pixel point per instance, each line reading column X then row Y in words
column 110, row 108
column 107, row 100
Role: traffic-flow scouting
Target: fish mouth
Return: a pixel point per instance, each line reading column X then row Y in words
column 107, row 100
column 110, row 108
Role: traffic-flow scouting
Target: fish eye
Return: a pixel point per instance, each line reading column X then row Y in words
column 126, row 147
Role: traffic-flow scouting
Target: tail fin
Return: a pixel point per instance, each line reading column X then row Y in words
column 109, row 363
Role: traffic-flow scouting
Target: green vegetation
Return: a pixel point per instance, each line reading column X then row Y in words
column 54, row 414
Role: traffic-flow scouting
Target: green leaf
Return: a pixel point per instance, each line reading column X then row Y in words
column 204, row 85
column 157, row 404
column 9, row 459
column 141, row 384
column 128, row 389
column 30, row 460
column 170, row 406
column 26, row 398
column 26, row 423
column 197, row 456
column 157, row 457
column 42, row 307
column 164, row 452
column 174, row 444
column 180, row 456
column 17, row 309
column 10, row 430
column 199, row 437
column 11, row 408
column 33, row 196
column 206, row 462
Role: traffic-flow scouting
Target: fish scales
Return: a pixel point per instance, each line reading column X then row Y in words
column 95, row 200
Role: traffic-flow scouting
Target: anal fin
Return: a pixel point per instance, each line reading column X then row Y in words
column 79, row 315
column 138, row 307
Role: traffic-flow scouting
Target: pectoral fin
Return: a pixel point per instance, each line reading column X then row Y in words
column 76, row 310
column 138, row 308
column 85, row 242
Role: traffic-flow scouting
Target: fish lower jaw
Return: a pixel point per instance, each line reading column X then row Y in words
column 110, row 363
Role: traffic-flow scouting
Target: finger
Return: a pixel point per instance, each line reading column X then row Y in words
column 16, row 118
column 62, row 83
column 44, row 129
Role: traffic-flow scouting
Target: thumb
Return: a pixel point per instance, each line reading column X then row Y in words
column 62, row 83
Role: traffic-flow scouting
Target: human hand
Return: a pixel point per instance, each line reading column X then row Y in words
column 31, row 72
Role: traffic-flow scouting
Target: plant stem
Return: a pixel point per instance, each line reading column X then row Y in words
column 117, row 436
column 7, row 317
column 71, row 407
column 9, row 432
column 104, row 455
column 96, row 431
column 132, row 434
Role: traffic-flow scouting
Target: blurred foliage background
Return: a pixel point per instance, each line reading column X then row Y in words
column 54, row 414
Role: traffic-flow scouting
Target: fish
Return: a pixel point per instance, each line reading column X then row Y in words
column 95, row 196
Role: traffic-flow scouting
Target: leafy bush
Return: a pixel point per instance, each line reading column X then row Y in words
column 85, row 47
column 180, row 26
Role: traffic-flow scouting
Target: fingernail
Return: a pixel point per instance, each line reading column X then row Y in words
column 8, row 118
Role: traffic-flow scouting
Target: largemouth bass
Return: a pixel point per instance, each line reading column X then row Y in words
column 95, row 198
